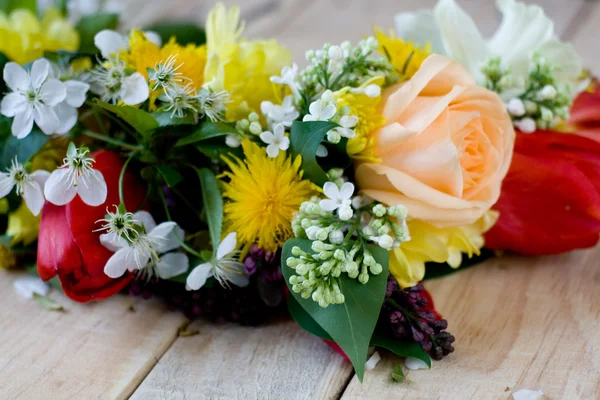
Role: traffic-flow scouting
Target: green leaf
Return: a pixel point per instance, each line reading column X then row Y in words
column 213, row 204
column 304, row 319
column 3, row 60
column 48, row 303
column 140, row 120
column 164, row 118
column 352, row 323
column 398, row 374
column 170, row 175
column 208, row 130
column 184, row 33
column 10, row 5
column 91, row 24
column 305, row 139
column 402, row 348
column 214, row 149
column 24, row 148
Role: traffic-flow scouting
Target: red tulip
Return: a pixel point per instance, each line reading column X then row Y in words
column 550, row 200
column 69, row 247
column 585, row 114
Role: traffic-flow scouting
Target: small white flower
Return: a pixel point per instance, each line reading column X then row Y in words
column 548, row 92
column 322, row 151
column 320, row 110
column 347, row 122
column 28, row 286
column 284, row 114
column 213, row 104
column 415, row 363
column 165, row 75
column 232, row 140
column 338, row 199
column 277, row 141
column 526, row 125
column 288, row 77
column 179, row 99
column 76, row 177
column 29, row 186
column 146, row 251
column 223, row 267
column 111, row 82
column 516, row 107
column 120, row 224
column 32, row 98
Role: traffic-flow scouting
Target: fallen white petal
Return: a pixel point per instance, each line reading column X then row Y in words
column 526, row 394
column 372, row 362
column 414, row 364
column 29, row 285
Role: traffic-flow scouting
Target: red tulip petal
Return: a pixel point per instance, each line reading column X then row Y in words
column 586, row 107
column 550, row 201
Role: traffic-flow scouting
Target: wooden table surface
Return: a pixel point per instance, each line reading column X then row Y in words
column 520, row 323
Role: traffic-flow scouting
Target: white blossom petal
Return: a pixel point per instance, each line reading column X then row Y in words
column 92, row 188
column 53, row 92
column 16, row 78
column 172, row 264
column 76, row 93
column 420, row 28
column 197, row 278
column 227, row 245
column 347, row 190
column 153, row 37
column 328, row 205
column 39, row 72
column 46, row 119
column 6, row 184
column 27, row 286
column 33, row 196
column 267, row 137
column 113, row 242
column 13, row 104
column 59, row 189
column 40, row 176
column 120, row 262
column 134, row 89
column 161, row 235
column 284, row 143
column 67, row 116
column 110, row 43
column 415, row 363
column 172, row 241
column 236, row 274
column 273, row 150
column 331, row 190
column 328, row 112
column 145, row 219
column 22, row 123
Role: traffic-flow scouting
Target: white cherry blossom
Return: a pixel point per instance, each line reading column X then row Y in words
column 338, row 199
column 276, row 140
column 29, row 186
column 112, row 83
column 76, row 177
column 223, row 267
column 149, row 251
column 33, row 96
column 284, row 114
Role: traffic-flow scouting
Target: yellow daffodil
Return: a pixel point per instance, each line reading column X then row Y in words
column 24, row 38
column 239, row 66
column 23, row 226
column 262, row 194
column 431, row 244
column 404, row 56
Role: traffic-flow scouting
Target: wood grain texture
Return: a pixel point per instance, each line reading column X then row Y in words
column 90, row 351
column 520, row 323
column 278, row 361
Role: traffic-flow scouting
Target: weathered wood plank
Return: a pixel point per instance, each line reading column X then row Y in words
column 278, row 361
column 90, row 351
column 529, row 323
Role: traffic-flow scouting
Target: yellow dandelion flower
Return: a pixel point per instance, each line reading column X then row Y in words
column 431, row 244
column 369, row 120
column 24, row 38
column 262, row 194
column 404, row 56
column 144, row 54
column 239, row 66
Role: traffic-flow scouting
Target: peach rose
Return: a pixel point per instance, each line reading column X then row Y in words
column 445, row 149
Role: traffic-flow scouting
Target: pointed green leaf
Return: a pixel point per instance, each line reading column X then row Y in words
column 23, row 149
column 352, row 323
column 184, row 33
column 91, row 24
column 164, row 118
column 140, row 120
column 208, row 130
column 213, row 204
column 170, row 175
column 305, row 138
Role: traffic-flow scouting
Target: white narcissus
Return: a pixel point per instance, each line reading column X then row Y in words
column 29, row 186
column 149, row 251
column 223, row 267
column 525, row 30
column 76, row 177
column 33, row 96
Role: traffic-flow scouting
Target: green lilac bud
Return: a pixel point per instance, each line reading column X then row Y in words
column 379, row 210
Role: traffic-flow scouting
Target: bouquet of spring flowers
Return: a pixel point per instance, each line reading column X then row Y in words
column 211, row 170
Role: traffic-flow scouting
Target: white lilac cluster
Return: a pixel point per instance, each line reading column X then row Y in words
column 326, row 109
column 539, row 102
column 340, row 228
column 76, row 177
column 44, row 94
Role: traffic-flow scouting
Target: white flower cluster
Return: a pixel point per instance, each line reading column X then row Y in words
column 326, row 109
column 340, row 241
column 75, row 177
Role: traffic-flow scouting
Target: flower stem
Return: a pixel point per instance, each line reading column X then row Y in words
column 114, row 141
column 122, row 179
column 168, row 214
